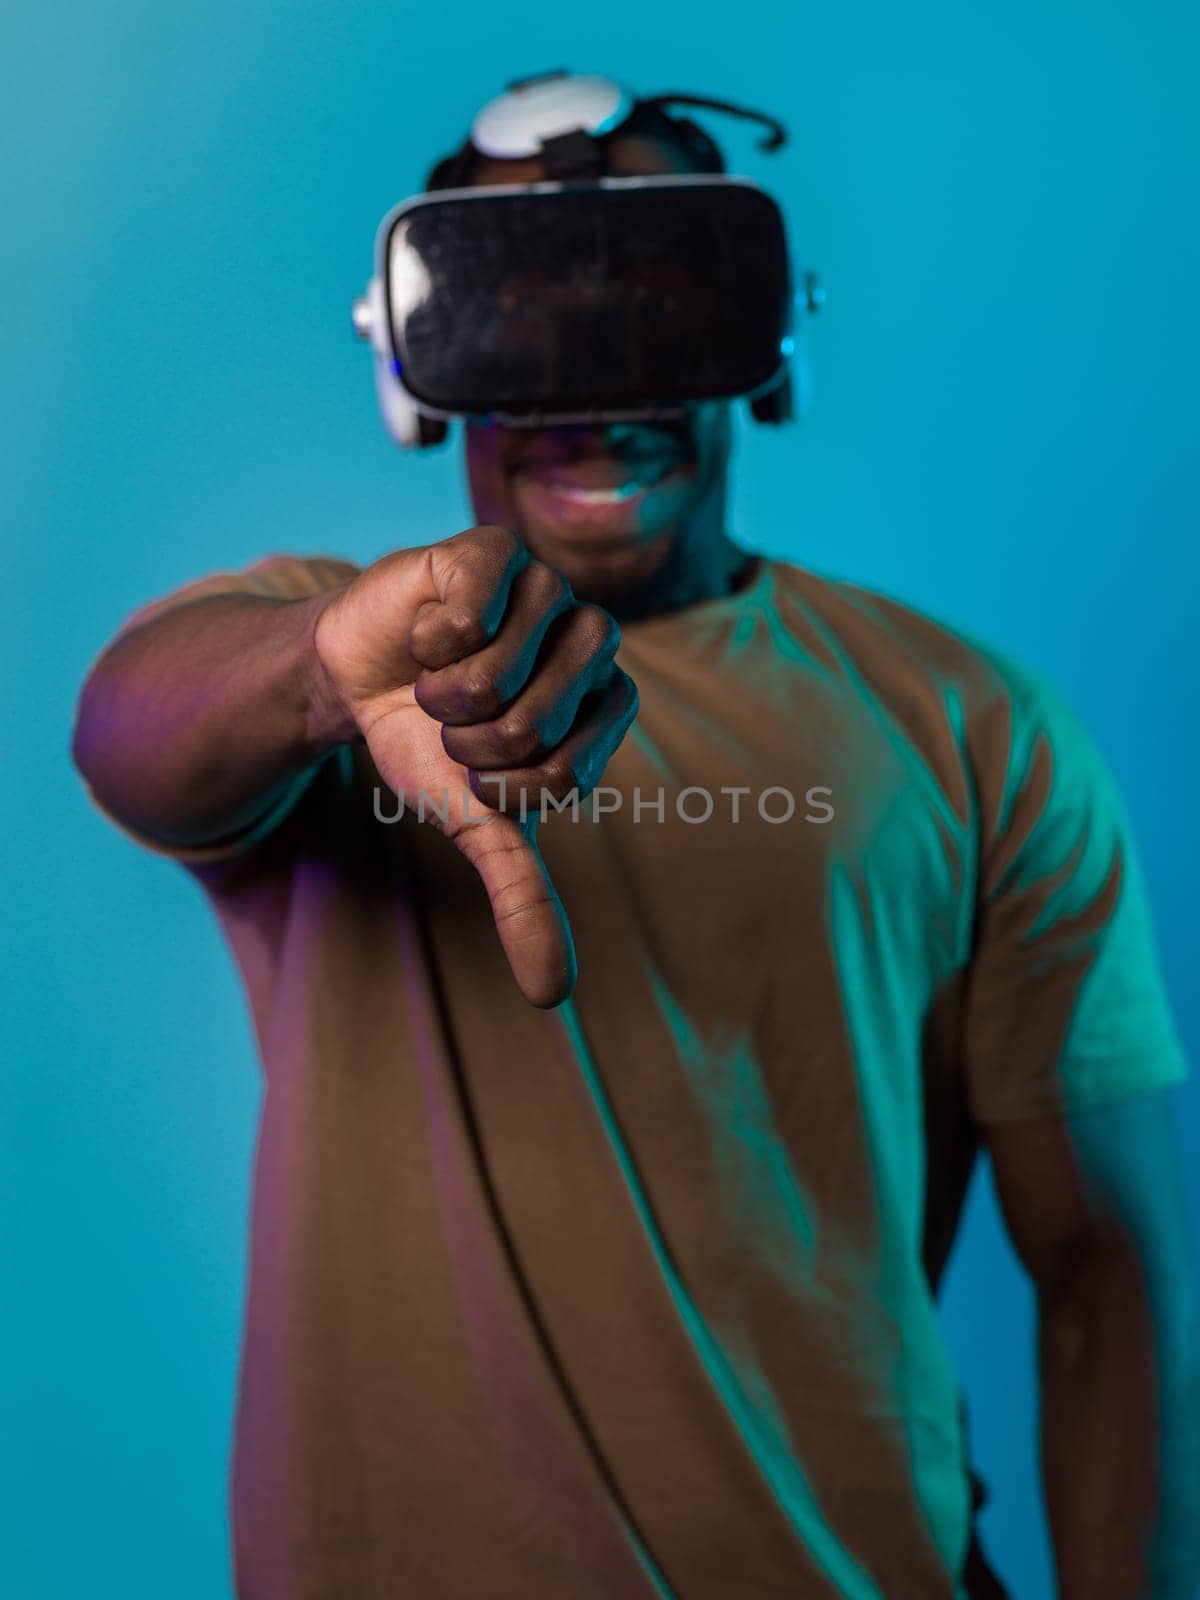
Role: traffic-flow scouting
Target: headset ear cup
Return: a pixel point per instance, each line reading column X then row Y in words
column 431, row 431
column 400, row 416
column 776, row 405
column 409, row 427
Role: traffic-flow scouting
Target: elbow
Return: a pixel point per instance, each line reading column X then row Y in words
column 105, row 748
column 86, row 737
column 101, row 717
column 1099, row 1292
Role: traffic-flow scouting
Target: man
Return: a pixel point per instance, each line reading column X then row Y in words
column 629, row 1292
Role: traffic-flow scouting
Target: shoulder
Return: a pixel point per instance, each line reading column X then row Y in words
column 892, row 644
column 949, row 690
column 293, row 577
column 274, row 577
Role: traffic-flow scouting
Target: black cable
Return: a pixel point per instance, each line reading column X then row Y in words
column 773, row 139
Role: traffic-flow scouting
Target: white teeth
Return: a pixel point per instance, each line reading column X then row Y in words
column 597, row 497
column 644, row 478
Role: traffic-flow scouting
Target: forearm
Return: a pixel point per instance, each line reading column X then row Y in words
column 190, row 725
column 1119, row 1437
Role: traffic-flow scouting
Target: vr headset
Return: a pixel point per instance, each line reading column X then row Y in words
column 582, row 298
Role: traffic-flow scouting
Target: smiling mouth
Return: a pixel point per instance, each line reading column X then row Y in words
column 597, row 497
column 594, row 481
column 607, row 495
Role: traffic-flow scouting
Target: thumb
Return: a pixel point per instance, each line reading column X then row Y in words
column 406, row 747
column 529, row 916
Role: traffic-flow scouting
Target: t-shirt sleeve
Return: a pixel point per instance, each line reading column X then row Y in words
column 276, row 577
column 1066, row 1007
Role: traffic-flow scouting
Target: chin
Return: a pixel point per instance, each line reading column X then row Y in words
column 604, row 571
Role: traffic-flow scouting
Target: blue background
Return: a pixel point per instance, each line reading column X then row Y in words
column 1002, row 200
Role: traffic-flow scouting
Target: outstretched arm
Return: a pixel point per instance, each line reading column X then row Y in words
column 192, row 724
column 1094, row 1206
column 470, row 671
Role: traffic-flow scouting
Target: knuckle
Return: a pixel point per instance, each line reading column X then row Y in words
column 558, row 776
column 599, row 630
column 462, row 628
column 550, row 586
column 485, row 551
column 498, row 542
column 478, row 694
column 517, row 736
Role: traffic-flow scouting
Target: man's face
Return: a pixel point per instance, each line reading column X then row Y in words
column 607, row 505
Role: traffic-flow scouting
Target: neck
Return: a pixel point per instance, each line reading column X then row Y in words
column 690, row 573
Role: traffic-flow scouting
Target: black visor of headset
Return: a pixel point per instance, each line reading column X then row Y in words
column 550, row 302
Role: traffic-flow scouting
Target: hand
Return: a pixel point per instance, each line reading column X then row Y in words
column 468, row 664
